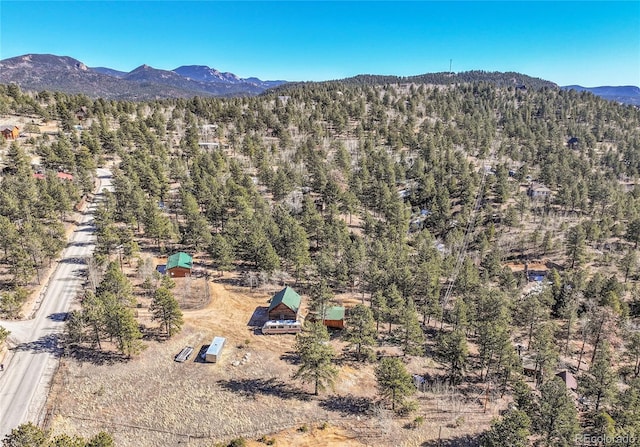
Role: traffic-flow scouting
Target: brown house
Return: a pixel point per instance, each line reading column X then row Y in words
column 285, row 305
column 10, row 132
column 81, row 114
column 179, row 265
column 60, row 175
column 333, row 317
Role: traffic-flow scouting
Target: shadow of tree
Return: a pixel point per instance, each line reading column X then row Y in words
column 49, row 343
column 458, row 441
column 348, row 405
column 290, row 357
column 58, row 316
column 269, row 387
column 155, row 333
column 94, row 356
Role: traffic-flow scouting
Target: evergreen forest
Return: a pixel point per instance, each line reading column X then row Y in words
column 490, row 226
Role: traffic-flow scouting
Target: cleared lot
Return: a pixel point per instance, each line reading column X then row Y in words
column 153, row 400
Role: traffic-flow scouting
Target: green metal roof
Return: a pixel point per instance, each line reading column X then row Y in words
column 179, row 259
column 334, row 313
column 289, row 297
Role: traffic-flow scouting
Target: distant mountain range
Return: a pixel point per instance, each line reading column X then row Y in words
column 627, row 94
column 62, row 73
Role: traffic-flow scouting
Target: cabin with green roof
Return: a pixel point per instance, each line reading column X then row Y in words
column 179, row 265
column 333, row 317
column 285, row 305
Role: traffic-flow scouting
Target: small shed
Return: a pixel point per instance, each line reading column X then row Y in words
column 333, row 317
column 179, row 265
column 568, row 379
column 10, row 132
column 285, row 305
column 215, row 350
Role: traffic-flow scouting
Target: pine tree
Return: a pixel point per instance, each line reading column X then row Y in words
column 166, row 310
column 378, row 307
column 512, row 430
column 546, row 353
column 524, row 399
column 4, row 334
column 576, row 245
column 629, row 263
column 8, row 234
column 26, row 435
column 453, row 350
column 156, row 225
column 117, row 283
column 221, row 252
column 321, row 297
column 361, row 330
column 93, row 315
column 395, row 305
column 633, row 232
column 492, row 326
column 632, row 351
column 557, row 419
column 394, row 382
column 64, row 440
column 316, row 354
column 409, row 330
column 120, row 323
column 601, row 381
column 102, row 439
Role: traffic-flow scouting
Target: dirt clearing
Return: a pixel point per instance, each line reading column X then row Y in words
column 152, row 400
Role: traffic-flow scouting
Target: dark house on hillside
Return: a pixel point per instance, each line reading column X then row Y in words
column 535, row 272
column 179, row 265
column 568, row 379
column 81, row 114
column 538, row 191
column 285, row 305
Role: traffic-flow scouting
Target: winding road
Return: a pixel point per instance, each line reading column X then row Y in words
column 35, row 346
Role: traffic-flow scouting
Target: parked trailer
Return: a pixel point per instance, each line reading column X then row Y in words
column 282, row 327
column 184, row 355
column 215, row 350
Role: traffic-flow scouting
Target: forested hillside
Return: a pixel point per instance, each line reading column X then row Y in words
column 433, row 205
column 499, row 79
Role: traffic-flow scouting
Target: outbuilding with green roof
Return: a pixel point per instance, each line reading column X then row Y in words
column 333, row 317
column 179, row 265
column 285, row 305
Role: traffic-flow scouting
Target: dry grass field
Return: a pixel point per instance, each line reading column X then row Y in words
column 153, row 401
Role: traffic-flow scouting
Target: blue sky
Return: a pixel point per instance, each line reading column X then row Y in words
column 587, row 43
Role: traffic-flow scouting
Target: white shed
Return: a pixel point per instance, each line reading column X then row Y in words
column 215, row 350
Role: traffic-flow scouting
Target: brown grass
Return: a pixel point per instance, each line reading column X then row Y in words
column 152, row 400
